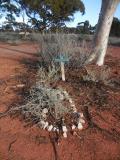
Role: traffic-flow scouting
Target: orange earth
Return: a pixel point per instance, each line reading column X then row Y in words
column 100, row 140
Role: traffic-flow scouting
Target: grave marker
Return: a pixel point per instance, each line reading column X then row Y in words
column 62, row 59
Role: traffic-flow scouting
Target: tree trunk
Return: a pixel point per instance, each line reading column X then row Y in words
column 101, row 36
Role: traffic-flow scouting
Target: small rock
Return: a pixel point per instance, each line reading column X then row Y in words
column 64, row 128
column 64, row 134
column 50, row 128
column 73, row 127
column 80, row 126
column 45, row 110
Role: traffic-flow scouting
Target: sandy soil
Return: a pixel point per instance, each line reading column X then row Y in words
column 100, row 140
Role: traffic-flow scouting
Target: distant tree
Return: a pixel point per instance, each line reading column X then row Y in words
column 115, row 29
column 42, row 14
column 84, row 27
column 9, row 10
column 51, row 13
column 8, row 27
column 92, row 29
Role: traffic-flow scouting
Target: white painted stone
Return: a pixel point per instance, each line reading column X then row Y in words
column 70, row 100
column 80, row 126
column 54, row 129
column 64, row 134
column 50, row 128
column 45, row 110
column 42, row 123
column 64, row 128
column 73, row 127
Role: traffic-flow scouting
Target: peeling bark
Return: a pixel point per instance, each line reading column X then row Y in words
column 101, row 36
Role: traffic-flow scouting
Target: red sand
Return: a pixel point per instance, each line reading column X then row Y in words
column 17, row 142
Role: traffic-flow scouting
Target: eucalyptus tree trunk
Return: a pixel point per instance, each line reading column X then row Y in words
column 101, row 36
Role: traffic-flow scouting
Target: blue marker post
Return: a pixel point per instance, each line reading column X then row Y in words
column 62, row 59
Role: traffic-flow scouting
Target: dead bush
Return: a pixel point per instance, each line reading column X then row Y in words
column 81, row 51
column 52, row 46
column 49, row 76
column 97, row 74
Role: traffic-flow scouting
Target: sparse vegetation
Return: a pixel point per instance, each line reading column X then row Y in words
column 97, row 74
column 67, row 45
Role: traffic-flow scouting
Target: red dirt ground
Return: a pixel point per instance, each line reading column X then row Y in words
column 100, row 140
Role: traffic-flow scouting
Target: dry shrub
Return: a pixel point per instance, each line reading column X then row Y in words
column 49, row 76
column 97, row 74
column 81, row 51
column 51, row 46
column 44, row 97
column 56, row 102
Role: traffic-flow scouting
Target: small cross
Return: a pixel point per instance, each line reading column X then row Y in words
column 62, row 60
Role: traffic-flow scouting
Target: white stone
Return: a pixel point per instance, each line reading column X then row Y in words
column 64, row 128
column 64, row 134
column 70, row 100
column 73, row 105
column 73, row 127
column 80, row 126
column 44, row 115
column 54, row 129
column 50, row 128
column 45, row 110
column 42, row 123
